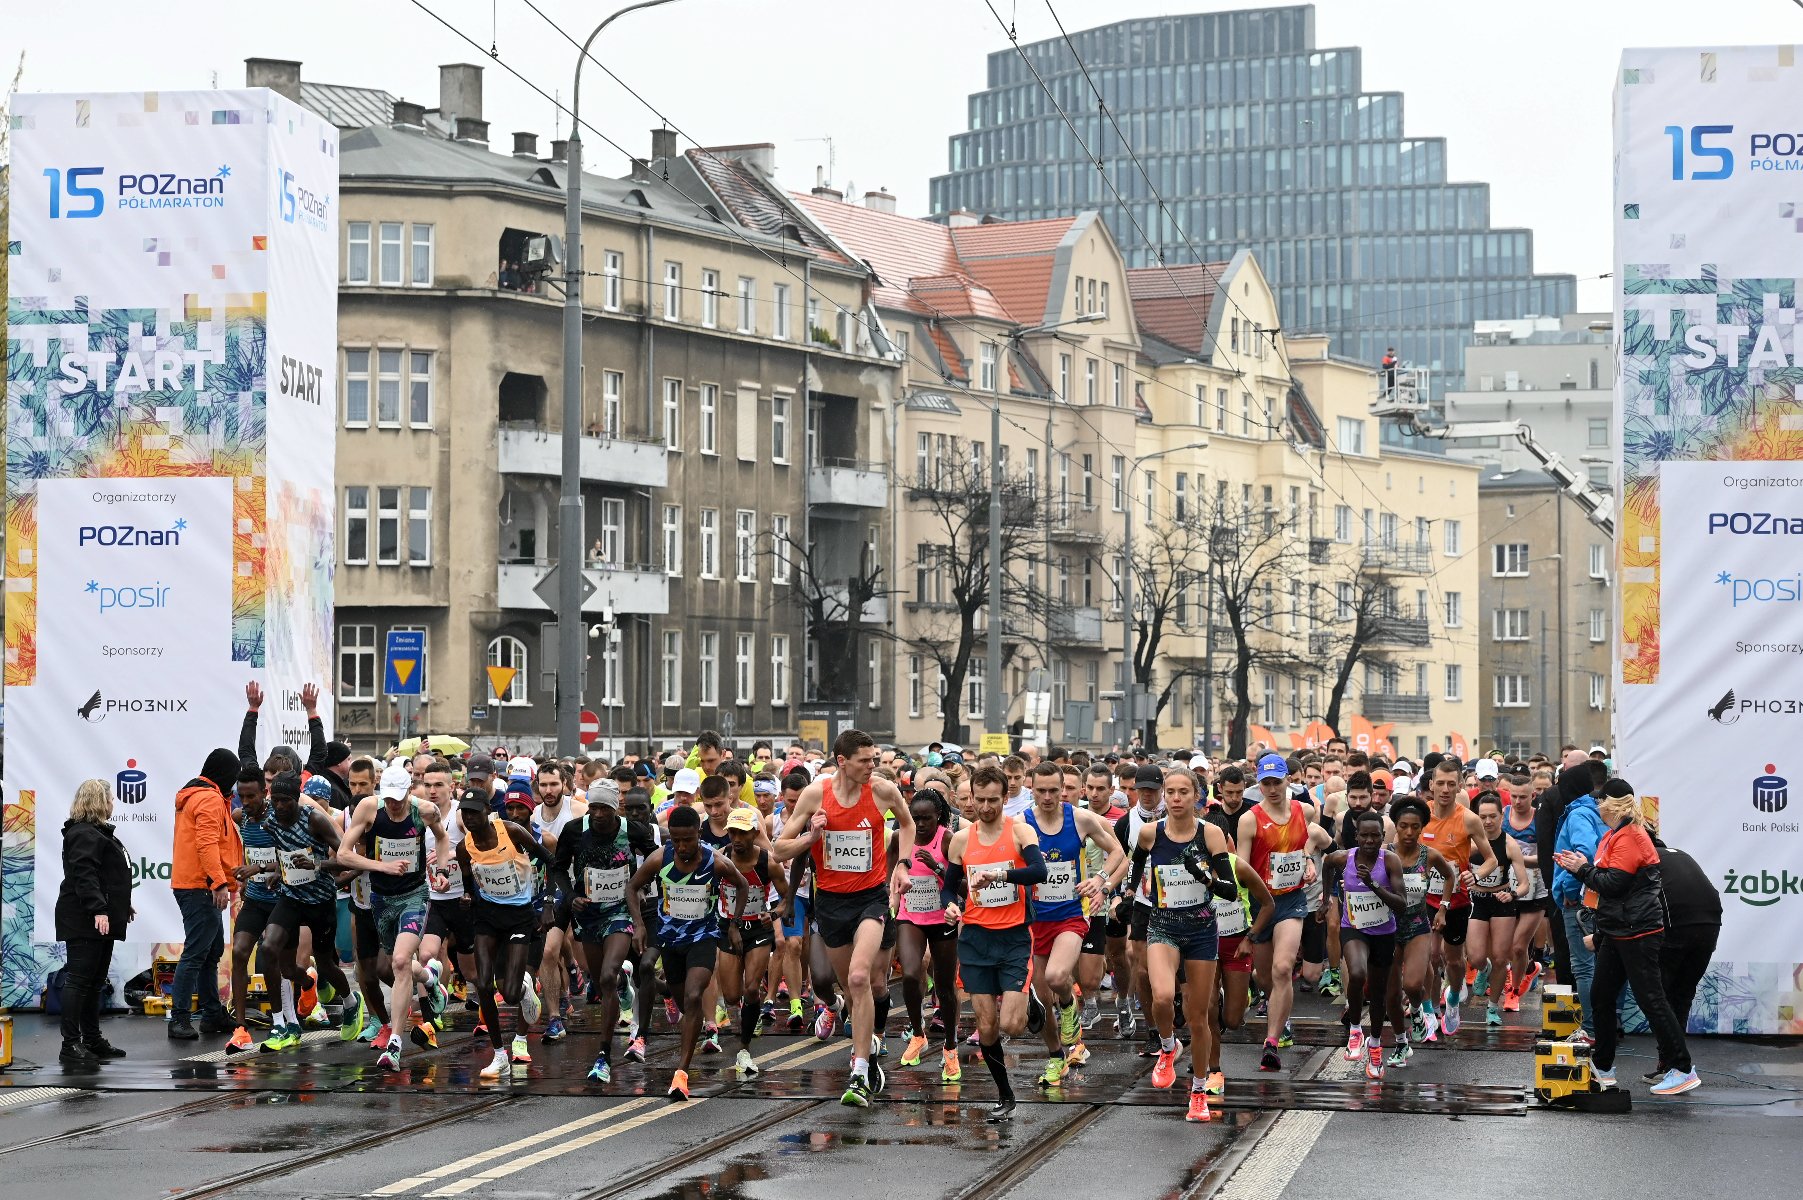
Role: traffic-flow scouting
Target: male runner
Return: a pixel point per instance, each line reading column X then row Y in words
column 553, row 811
column 306, row 846
column 493, row 857
column 1455, row 831
column 1105, row 947
column 258, row 875
column 449, row 908
column 840, row 820
column 745, row 952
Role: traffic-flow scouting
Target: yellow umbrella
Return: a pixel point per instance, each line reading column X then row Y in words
column 443, row 743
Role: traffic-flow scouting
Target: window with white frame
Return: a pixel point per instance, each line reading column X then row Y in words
column 1599, row 625
column 973, row 689
column 1117, row 479
column 1455, row 681
column 613, row 383
column 779, row 547
column 356, row 389
column 1352, row 435
column 813, row 317
column 388, row 389
column 1455, row 609
column 613, row 266
column 1423, row 532
column 672, row 291
column 388, row 526
column 1103, row 303
column 1597, row 696
column 673, row 414
column 748, row 298
column 1119, row 385
column 913, row 685
column 873, row 664
column 1599, row 560
column 419, row 388
column 1149, row 480
column 745, row 546
column 1342, row 523
column 782, row 314
column 419, row 527
column 1451, row 535
column 1509, row 625
column 356, row 526
column 779, row 427
column 779, row 669
column 610, row 669
column 613, row 530
column 1245, row 414
column 388, row 257
column 1180, row 498
column 673, row 539
column 1090, row 382
column 986, row 366
column 710, row 543
column 1089, row 482
column 1268, row 701
column 710, row 299
column 743, row 648
column 508, row 651
column 1343, row 603
column 1064, row 377
column 1220, row 410
column 421, row 274
column 1509, row 559
column 356, row 662
column 669, row 675
column 1201, row 406
column 356, row 252
column 1511, row 691
column 710, row 418
column 1599, row 431
column 708, row 660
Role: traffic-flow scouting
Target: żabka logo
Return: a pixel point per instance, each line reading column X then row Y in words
column 131, row 784
column 1762, row 889
column 1771, row 793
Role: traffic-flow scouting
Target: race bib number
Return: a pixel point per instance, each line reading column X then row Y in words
column 1366, row 910
column 1230, row 917
column 360, row 891
column 848, row 850
column 1414, row 888
column 757, row 903
column 1179, row 888
column 397, row 849
column 685, row 901
column 1060, row 884
column 263, row 858
column 294, row 875
column 606, row 885
column 1286, row 869
column 996, row 895
column 923, row 895
column 499, row 880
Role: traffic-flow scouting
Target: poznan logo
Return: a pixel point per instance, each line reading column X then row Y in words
column 1762, row 889
column 110, row 536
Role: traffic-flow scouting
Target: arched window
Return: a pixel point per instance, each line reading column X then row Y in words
column 507, row 651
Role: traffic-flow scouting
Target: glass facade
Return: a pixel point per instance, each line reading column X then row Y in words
column 1256, row 140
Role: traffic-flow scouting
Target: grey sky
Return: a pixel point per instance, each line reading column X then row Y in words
column 1521, row 90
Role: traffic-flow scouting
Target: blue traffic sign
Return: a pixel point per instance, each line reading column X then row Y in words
column 405, row 672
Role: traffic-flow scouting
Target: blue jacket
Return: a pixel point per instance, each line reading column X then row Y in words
column 1580, row 828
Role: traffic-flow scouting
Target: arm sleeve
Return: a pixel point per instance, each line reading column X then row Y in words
column 1224, row 884
column 952, row 886
column 560, row 864
column 316, row 752
column 247, row 741
column 1034, row 871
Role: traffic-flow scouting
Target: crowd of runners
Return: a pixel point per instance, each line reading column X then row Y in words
column 721, row 897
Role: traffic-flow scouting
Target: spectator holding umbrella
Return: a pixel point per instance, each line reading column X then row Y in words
column 93, row 908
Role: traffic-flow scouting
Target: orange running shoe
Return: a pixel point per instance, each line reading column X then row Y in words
column 917, row 1046
column 240, row 1043
column 679, row 1086
column 1198, row 1107
column 308, row 1000
column 1164, row 1071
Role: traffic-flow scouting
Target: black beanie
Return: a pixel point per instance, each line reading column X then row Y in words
column 221, row 770
column 336, row 752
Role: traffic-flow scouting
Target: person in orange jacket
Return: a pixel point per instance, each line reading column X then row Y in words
column 208, row 850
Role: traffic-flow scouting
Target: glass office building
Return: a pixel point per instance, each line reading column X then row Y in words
column 1255, row 139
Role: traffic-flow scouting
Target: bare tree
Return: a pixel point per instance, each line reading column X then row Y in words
column 1361, row 606
column 951, row 568
column 1256, row 554
column 834, row 595
column 1169, row 563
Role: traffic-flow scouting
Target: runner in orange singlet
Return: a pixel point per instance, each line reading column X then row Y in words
column 839, row 820
column 1458, row 835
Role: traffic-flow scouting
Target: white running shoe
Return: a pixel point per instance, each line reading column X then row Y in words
column 745, row 1065
column 531, row 1006
column 497, row 1066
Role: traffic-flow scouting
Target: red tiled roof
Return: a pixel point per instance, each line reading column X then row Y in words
column 899, row 248
column 1020, row 284
column 1010, row 239
column 948, row 351
column 1173, row 303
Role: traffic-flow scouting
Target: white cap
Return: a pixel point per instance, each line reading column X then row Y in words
column 687, row 780
column 396, row 782
column 1485, row 768
column 521, row 765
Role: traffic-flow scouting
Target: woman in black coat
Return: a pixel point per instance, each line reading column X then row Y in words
column 92, row 910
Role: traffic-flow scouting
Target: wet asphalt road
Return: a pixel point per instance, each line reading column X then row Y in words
column 320, row 1121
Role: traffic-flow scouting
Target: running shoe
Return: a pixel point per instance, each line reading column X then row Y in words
column 745, row 1065
column 878, row 1048
column 424, row 1035
column 1493, row 1016
column 1152, row 1045
column 1655, row 1075
column 1355, row 1043
column 1451, row 1020
column 1374, row 1063
column 710, row 1040
column 825, row 1021
column 433, row 998
column 950, row 1069
column 878, row 1080
column 518, row 1052
column 371, row 1028
column 350, row 1022
column 1418, row 1025
column 319, row 1018
column 1331, row 988
column 241, row 1043
column 721, row 1016
column 497, row 1066
column 578, row 984
column 1263, row 1009
column 1092, row 1012
column 1286, row 1038
column 566, row 1008
column 766, row 1017
column 857, row 1093
column 1604, row 1080
column 390, row 1058
column 797, row 1020
column 532, row 1006
column 555, row 1030
column 1035, row 1014
column 1053, row 1075
column 1126, row 1025
column 282, row 1037
column 624, row 1022
column 629, row 995
column 1000, row 1113
column 1270, row 1060
column 308, row 998
column 327, row 993
column 1530, row 979
column 679, row 1086
column 601, row 1072
column 1582, row 1037
column 1676, row 1083
column 1164, row 1069
column 1471, row 974
column 480, row 1030
column 1215, row 1084
column 1480, row 983
column 1198, row 1107
column 917, row 1046
column 1070, row 1026
column 1077, row 1055
column 635, row 1050
column 1511, row 1001
column 782, row 993
column 1399, row 1055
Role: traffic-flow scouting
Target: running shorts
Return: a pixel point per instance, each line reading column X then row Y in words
column 752, row 934
column 1291, row 906
column 680, row 960
column 837, row 915
column 994, row 962
column 654, row 925
column 1410, row 925
column 1380, row 948
column 1314, row 940
column 321, row 917
column 1236, row 954
column 1458, row 924
column 933, row 933
column 347, row 951
column 1095, row 941
column 253, row 918
column 1191, row 931
column 1046, row 932
column 514, row 924
column 797, row 924
column 453, row 921
column 1489, row 908
column 1136, row 921
column 598, row 922
column 404, row 912
column 363, row 933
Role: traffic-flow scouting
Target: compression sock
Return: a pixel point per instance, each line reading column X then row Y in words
column 288, row 1015
column 748, row 1018
column 882, row 1012
column 998, row 1070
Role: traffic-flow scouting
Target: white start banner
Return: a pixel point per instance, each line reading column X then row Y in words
column 1709, row 252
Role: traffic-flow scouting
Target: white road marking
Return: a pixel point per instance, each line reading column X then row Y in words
column 1267, row 1171
column 15, row 1097
column 474, row 1161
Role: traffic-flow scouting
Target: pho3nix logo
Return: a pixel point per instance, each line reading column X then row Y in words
column 98, row 708
column 79, row 192
column 1730, row 708
column 1762, row 889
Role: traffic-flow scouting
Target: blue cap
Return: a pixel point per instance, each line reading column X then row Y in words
column 1272, row 766
column 319, row 788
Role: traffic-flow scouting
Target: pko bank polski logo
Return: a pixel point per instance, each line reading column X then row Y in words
column 1706, row 152
column 77, row 193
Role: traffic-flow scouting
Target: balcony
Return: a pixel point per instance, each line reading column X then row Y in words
column 1320, row 645
column 1394, row 706
column 1076, row 523
column 626, row 589
column 1080, row 626
column 1397, row 630
column 535, row 450
column 1318, row 550
column 848, row 482
column 1397, row 558
column 838, row 599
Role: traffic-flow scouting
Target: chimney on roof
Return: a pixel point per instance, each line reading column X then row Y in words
column 641, row 171
column 525, row 145
column 560, row 150
column 471, row 130
column 408, row 115
column 761, row 155
column 880, row 200
column 959, row 218
column 460, row 91
column 277, row 74
column 824, row 190
column 663, row 143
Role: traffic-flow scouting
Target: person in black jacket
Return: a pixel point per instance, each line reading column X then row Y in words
column 1696, row 923
column 1575, row 779
column 93, row 908
column 330, row 759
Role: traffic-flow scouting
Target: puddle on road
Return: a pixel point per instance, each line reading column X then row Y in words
column 728, row 1184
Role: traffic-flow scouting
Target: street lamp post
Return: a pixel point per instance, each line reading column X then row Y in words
column 569, row 500
column 1129, row 686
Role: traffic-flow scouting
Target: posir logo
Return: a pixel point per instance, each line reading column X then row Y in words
column 1771, row 793
column 131, row 535
column 73, row 197
column 129, row 596
column 131, row 784
column 1762, row 889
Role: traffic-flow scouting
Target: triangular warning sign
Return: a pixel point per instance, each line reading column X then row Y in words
column 500, row 679
column 403, row 669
